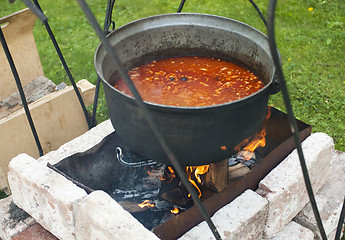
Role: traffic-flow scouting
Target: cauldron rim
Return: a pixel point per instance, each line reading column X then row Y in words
column 267, row 87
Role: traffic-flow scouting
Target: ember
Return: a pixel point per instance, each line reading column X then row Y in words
column 146, row 203
column 175, row 211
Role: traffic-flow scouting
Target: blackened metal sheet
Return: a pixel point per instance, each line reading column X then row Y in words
column 278, row 129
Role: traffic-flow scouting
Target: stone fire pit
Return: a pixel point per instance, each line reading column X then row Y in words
column 279, row 209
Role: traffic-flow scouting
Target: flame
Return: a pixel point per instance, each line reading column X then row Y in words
column 193, row 173
column 171, row 170
column 223, row 148
column 200, row 170
column 175, row 211
column 169, row 175
column 146, row 203
column 156, row 174
column 196, row 171
column 259, row 140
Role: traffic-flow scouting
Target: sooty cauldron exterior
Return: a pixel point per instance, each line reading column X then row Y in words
column 195, row 134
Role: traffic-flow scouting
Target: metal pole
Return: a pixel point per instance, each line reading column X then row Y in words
column 292, row 120
column 123, row 73
column 107, row 23
column 39, row 13
column 259, row 12
column 341, row 222
column 181, row 6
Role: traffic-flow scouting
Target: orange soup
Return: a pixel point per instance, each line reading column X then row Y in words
column 191, row 81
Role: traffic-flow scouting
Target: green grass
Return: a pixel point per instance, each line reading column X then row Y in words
column 311, row 44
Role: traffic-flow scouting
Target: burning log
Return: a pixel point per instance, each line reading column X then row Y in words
column 216, row 178
column 132, row 207
column 176, row 196
column 172, row 189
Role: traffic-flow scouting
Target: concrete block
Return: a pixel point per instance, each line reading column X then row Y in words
column 44, row 194
column 13, row 220
column 79, row 144
column 243, row 218
column 329, row 199
column 294, row 231
column 284, row 186
column 101, row 217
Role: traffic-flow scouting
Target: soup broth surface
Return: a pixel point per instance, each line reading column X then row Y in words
column 191, row 81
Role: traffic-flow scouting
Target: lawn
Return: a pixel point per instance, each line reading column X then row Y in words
column 310, row 36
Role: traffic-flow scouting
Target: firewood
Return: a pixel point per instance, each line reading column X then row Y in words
column 216, row 178
column 237, row 171
column 132, row 207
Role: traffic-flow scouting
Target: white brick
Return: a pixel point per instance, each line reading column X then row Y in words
column 80, row 144
column 101, row 217
column 329, row 200
column 332, row 234
column 243, row 218
column 44, row 194
column 12, row 219
column 284, row 186
column 294, row 231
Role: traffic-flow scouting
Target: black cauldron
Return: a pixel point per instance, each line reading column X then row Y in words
column 196, row 135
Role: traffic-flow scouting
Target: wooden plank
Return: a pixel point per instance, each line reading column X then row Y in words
column 3, row 182
column 58, row 118
column 18, row 32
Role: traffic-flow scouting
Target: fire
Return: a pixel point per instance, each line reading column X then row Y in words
column 175, row 211
column 170, row 175
column 259, row 140
column 171, row 170
column 200, row 170
column 196, row 171
column 146, row 203
column 193, row 173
